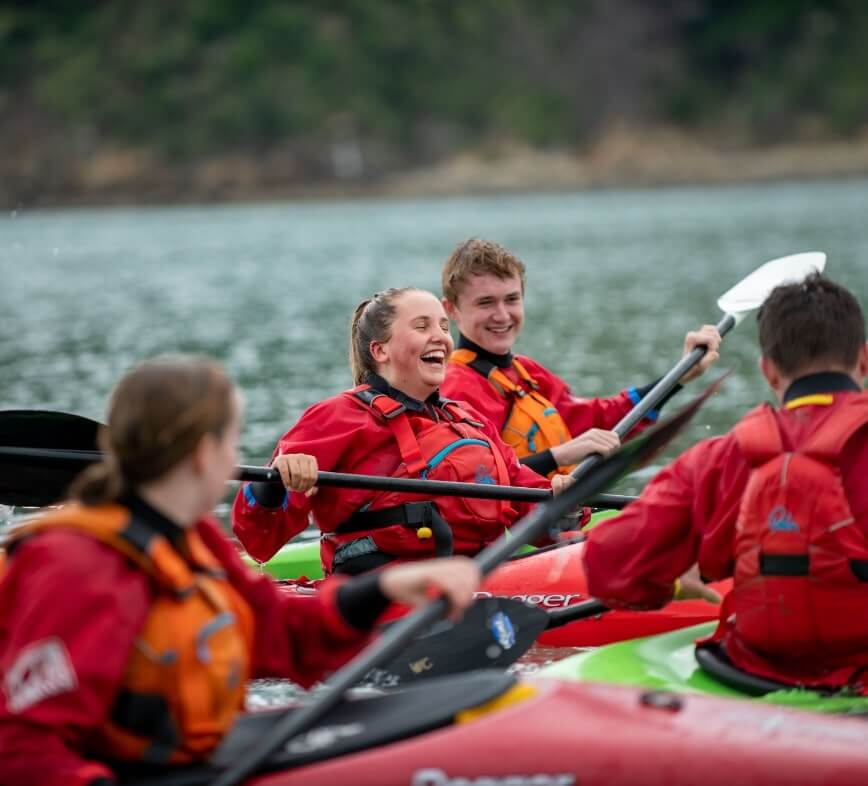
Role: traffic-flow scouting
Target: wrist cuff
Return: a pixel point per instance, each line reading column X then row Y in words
column 267, row 495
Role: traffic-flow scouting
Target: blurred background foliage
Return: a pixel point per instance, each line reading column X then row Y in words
column 411, row 81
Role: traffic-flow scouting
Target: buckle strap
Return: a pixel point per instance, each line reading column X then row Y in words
column 413, row 514
column 395, row 414
column 456, row 414
column 386, row 406
column 525, row 374
column 421, row 516
column 800, row 565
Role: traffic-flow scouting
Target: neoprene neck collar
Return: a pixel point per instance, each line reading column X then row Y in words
column 501, row 361
column 413, row 404
column 822, row 382
column 153, row 519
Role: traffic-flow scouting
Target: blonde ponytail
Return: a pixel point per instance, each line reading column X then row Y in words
column 372, row 321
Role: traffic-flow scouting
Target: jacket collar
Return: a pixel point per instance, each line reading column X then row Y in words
column 154, row 520
column 501, row 361
column 379, row 384
column 823, row 382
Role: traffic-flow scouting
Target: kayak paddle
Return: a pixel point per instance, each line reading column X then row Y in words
column 41, row 452
column 736, row 303
column 493, row 634
column 629, row 457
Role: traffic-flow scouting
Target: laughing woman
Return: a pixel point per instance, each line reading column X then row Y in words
column 393, row 423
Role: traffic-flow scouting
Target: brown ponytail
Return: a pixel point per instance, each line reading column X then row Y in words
column 158, row 413
column 372, row 321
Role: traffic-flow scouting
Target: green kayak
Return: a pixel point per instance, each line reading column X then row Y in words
column 293, row 561
column 301, row 558
column 667, row 663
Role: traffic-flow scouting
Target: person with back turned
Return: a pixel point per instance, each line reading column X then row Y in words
column 780, row 503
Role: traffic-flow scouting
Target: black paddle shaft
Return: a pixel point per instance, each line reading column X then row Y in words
column 75, row 460
column 654, row 396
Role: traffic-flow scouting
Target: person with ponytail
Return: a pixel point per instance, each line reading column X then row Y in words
column 128, row 623
column 393, row 423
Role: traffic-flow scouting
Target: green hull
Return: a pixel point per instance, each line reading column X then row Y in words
column 293, row 561
column 302, row 559
column 666, row 663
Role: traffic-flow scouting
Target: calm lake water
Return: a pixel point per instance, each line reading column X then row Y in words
column 615, row 278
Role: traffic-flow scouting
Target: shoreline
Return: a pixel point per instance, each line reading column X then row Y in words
column 621, row 159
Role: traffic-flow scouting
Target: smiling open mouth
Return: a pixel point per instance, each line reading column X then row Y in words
column 435, row 358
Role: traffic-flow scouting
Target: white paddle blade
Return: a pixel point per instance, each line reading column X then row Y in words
column 749, row 293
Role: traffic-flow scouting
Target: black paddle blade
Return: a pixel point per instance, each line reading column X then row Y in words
column 493, row 633
column 35, row 484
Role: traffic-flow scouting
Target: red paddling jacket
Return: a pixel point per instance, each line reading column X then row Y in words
column 781, row 504
column 124, row 637
column 377, row 430
column 534, row 408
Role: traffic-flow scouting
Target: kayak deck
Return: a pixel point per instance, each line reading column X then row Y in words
column 551, row 578
column 666, row 662
column 561, row 734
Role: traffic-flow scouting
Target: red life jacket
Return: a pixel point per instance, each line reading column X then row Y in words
column 533, row 423
column 403, row 525
column 801, row 563
column 184, row 682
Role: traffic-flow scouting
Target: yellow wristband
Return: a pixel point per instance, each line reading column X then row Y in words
column 676, row 589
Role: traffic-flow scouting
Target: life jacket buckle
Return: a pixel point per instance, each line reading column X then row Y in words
column 428, row 523
column 399, row 410
column 417, row 514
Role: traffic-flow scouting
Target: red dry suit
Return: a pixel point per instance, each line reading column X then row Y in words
column 85, row 606
column 377, row 430
column 464, row 383
column 788, row 521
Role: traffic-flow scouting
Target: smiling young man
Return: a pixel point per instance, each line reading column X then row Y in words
column 549, row 428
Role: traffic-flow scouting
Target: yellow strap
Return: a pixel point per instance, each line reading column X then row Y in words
column 515, row 695
column 500, row 379
column 818, row 399
column 677, row 589
column 523, row 373
column 463, row 356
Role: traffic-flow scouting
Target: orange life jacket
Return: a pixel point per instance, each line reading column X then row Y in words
column 533, row 423
column 801, row 564
column 185, row 678
column 453, row 449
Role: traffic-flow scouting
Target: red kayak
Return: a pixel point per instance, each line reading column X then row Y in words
column 554, row 578
column 487, row 729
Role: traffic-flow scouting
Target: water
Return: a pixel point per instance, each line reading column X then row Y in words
column 615, row 280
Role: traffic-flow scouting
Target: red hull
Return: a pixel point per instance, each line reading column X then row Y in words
column 556, row 578
column 596, row 735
